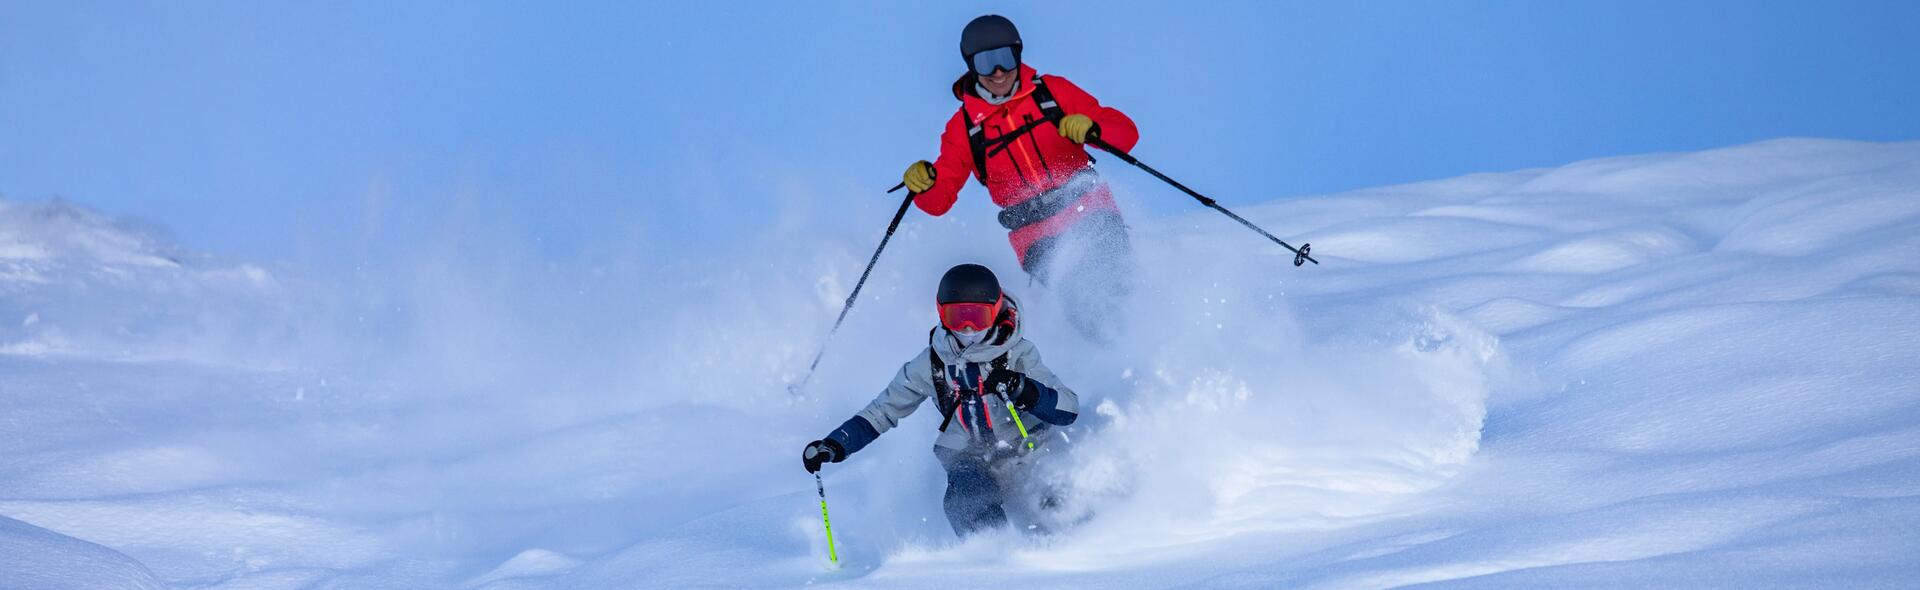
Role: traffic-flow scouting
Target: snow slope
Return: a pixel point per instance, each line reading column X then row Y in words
column 1672, row 370
column 35, row 558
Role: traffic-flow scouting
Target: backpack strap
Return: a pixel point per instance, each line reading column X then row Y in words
column 1050, row 112
column 976, row 139
column 1050, row 108
column 1043, row 97
column 942, row 390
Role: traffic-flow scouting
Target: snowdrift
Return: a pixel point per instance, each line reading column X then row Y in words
column 1675, row 370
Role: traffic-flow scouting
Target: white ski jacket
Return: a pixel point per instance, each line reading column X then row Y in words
column 977, row 421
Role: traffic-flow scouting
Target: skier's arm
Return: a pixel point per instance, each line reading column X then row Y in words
column 1115, row 127
column 1050, row 400
column 909, row 388
column 951, row 169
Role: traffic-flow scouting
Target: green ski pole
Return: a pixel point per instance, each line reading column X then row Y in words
column 1017, row 424
column 822, row 488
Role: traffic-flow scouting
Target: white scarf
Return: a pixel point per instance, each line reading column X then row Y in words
column 988, row 95
column 968, row 340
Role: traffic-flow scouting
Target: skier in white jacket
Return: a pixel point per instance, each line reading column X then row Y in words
column 1000, row 406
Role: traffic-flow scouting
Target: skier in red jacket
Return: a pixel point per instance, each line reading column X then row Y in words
column 1022, row 134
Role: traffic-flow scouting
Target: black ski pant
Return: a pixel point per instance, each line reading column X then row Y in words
column 973, row 499
column 990, row 488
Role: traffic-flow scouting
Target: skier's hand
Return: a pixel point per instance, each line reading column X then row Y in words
column 820, row 452
column 1012, row 386
column 919, row 176
column 1077, row 128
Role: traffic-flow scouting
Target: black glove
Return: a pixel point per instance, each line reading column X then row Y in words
column 1012, row 386
column 822, row 451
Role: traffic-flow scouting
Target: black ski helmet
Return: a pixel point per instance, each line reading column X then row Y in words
column 988, row 32
column 968, row 283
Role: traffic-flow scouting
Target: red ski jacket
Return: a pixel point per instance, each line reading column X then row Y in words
column 1031, row 164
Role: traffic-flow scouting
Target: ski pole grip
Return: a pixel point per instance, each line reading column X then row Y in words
column 903, row 183
column 1102, row 144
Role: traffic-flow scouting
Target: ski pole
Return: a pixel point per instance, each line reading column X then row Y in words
column 855, row 296
column 824, row 521
column 1017, row 424
column 1300, row 255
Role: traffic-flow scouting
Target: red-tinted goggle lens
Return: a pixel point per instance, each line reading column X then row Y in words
column 968, row 317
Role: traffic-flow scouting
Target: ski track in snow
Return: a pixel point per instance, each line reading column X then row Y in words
column 1671, row 370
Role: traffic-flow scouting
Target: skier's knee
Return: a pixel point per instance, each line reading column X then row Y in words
column 973, row 500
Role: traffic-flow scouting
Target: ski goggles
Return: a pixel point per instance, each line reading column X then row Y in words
column 999, row 58
column 968, row 316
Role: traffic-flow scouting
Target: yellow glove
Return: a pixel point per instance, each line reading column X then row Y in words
column 1077, row 128
column 919, row 176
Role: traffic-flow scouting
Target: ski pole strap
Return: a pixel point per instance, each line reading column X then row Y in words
column 1018, row 424
column 832, row 554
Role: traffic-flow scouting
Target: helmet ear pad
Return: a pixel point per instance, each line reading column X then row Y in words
column 1003, row 326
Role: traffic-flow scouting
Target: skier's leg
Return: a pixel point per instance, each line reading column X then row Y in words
column 1035, row 490
column 1094, row 273
column 1028, row 494
column 1039, row 259
column 973, row 498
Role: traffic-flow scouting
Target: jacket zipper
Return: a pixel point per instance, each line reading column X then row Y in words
column 1015, row 162
column 1023, row 150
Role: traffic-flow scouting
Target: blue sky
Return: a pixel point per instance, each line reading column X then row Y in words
column 344, row 131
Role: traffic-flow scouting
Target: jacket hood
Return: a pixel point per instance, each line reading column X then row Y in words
column 1000, row 339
